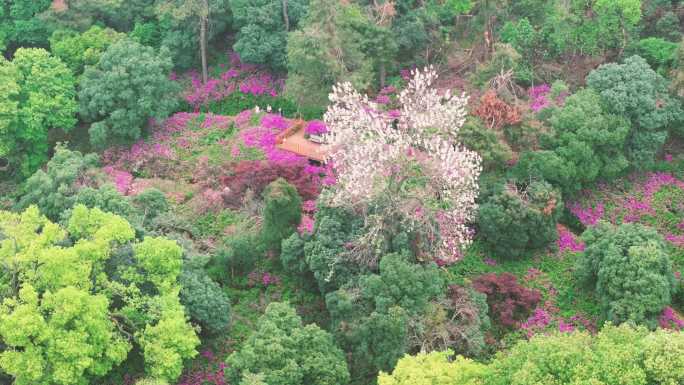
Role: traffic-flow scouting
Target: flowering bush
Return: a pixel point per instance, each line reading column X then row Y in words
column 670, row 320
column 242, row 78
column 316, row 127
column 654, row 199
column 412, row 158
column 567, row 240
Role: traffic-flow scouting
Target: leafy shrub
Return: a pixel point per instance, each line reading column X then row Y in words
column 401, row 283
column 313, row 61
column 504, row 59
column 435, row 368
column 322, row 252
column 287, row 353
column 282, row 213
column 470, row 319
column 237, row 102
column 151, row 381
column 630, row 270
column 515, row 221
column 150, row 203
column 127, row 87
column 509, row 302
column 106, row 198
column 522, row 36
column 262, row 34
column 54, row 190
column 494, row 151
column 238, row 257
column 659, row 53
column 457, row 322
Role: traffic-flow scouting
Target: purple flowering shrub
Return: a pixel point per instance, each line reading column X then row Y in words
column 545, row 96
column 655, row 199
column 207, row 369
column 247, row 79
column 548, row 317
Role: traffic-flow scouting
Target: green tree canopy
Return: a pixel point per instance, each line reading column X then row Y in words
column 287, row 353
column 436, row 368
column 67, row 318
column 127, row 87
column 630, row 269
column 38, row 94
column 587, row 143
column 20, row 24
column 262, row 29
column 78, row 50
column 328, row 48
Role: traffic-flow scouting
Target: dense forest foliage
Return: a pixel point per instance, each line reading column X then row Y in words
column 483, row 192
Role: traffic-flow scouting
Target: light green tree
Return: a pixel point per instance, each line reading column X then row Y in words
column 78, row 50
column 436, row 368
column 67, row 318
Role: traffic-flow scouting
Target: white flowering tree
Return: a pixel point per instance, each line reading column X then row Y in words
column 406, row 163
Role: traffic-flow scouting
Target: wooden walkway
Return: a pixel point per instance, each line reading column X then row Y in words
column 293, row 140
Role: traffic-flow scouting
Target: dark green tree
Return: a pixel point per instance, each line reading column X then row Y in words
column 285, row 352
column 127, row 87
column 587, row 143
column 20, row 24
column 328, row 48
column 516, row 220
column 282, row 213
column 630, row 269
column 262, row 29
column 638, row 93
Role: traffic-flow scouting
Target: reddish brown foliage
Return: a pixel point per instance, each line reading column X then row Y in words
column 509, row 302
column 256, row 175
column 496, row 113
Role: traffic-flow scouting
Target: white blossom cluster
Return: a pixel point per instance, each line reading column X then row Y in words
column 372, row 149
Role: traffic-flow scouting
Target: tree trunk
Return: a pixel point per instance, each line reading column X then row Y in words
column 382, row 74
column 285, row 17
column 204, row 16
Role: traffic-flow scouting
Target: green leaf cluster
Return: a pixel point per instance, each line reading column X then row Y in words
column 285, row 352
